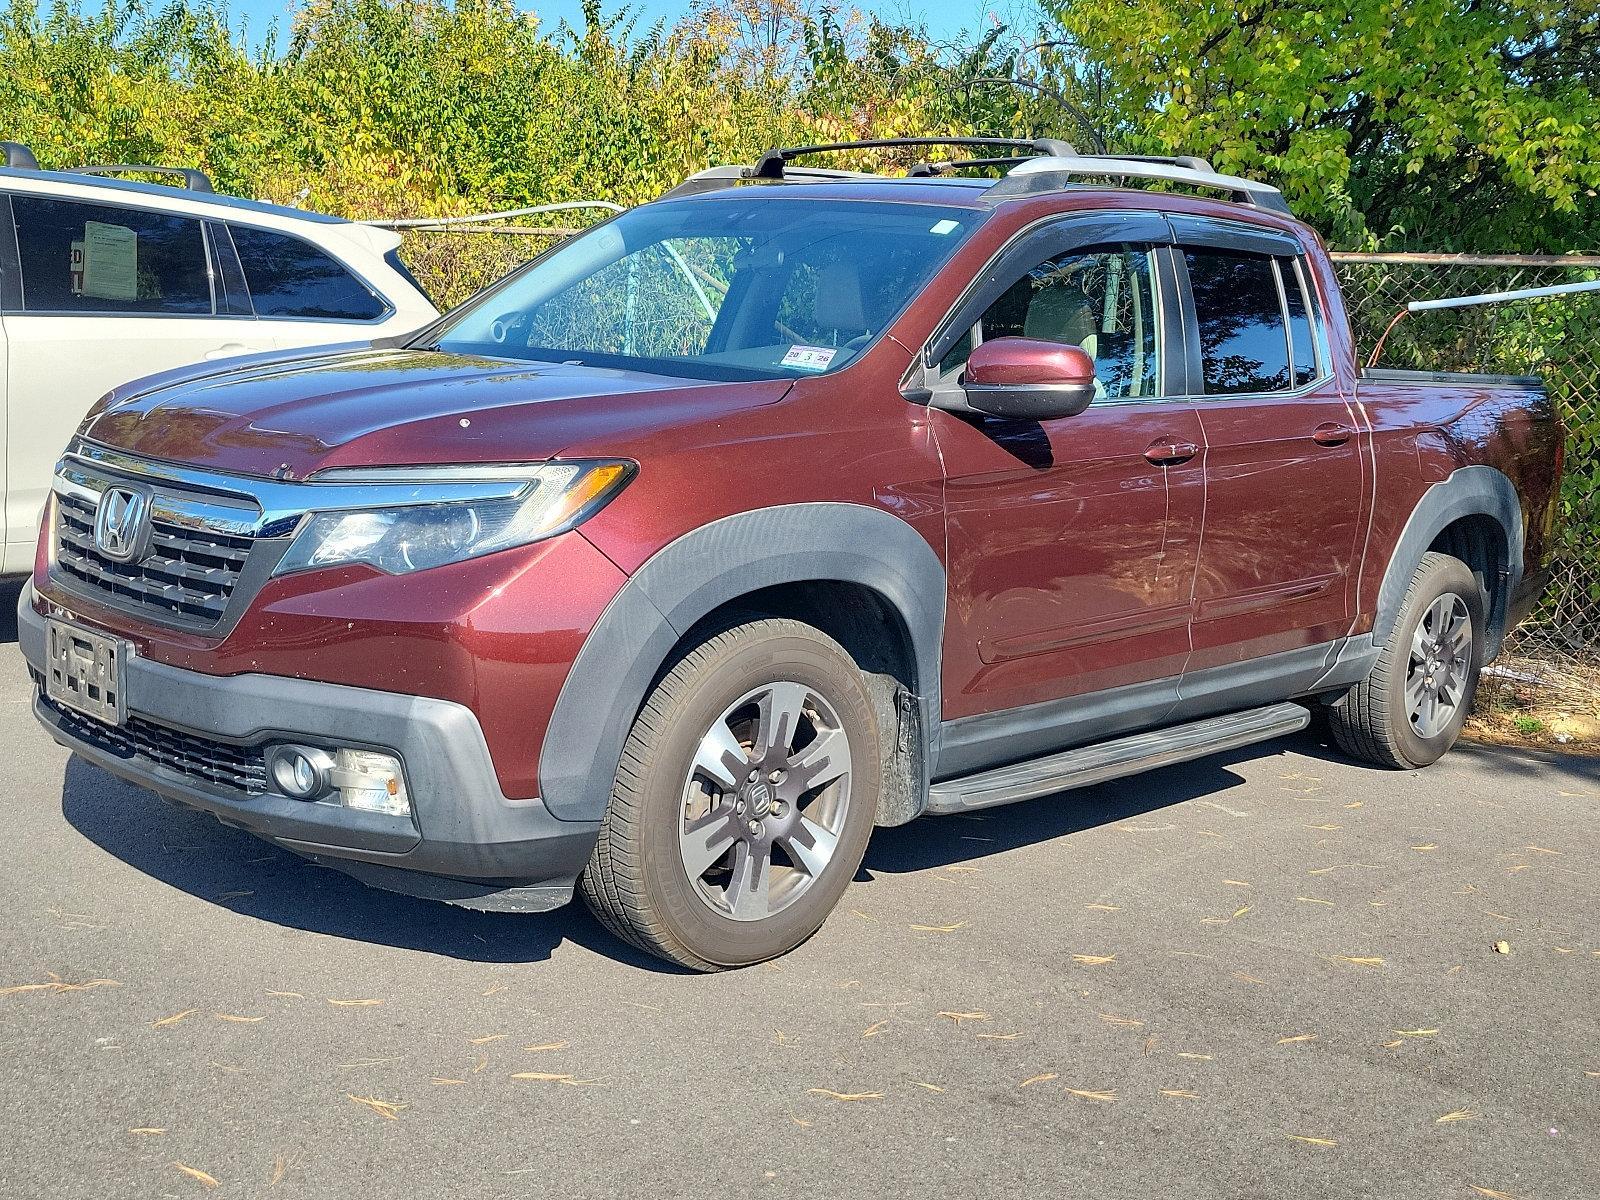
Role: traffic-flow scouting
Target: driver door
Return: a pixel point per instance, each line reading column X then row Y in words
column 1072, row 543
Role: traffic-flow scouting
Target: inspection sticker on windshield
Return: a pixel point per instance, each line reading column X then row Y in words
column 944, row 227
column 809, row 358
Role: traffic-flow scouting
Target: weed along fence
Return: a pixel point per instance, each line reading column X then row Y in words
column 1557, row 338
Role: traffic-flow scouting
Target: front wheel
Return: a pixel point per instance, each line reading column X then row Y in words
column 1412, row 706
column 747, row 791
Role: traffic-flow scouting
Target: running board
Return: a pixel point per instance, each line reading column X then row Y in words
column 1089, row 765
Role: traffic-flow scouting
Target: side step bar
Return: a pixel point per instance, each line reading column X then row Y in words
column 1112, row 760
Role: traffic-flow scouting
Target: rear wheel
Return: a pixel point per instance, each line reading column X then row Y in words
column 744, row 800
column 1412, row 706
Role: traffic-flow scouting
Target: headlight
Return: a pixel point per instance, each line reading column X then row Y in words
column 431, row 533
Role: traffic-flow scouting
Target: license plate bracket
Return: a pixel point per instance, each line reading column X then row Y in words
column 83, row 671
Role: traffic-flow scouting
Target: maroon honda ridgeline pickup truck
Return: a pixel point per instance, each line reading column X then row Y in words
column 794, row 503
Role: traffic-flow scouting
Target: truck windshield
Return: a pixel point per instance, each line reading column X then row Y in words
column 735, row 288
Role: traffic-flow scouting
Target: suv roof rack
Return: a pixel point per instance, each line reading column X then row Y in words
column 1045, row 165
column 193, row 180
column 775, row 165
column 18, row 157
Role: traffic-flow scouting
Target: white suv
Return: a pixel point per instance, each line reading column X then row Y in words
column 103, row 281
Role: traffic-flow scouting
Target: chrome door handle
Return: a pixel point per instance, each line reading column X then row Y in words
column 1166, row 452
column 1331, row 433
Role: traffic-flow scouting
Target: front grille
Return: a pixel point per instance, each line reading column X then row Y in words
column 187, row 573
column 238, row 768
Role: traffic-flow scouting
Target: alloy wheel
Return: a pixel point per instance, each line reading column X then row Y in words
column 765, row 800
column 1439, row 665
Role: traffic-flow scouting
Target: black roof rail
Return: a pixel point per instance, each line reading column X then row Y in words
column 771, row 164
column 193, row 180
column 18, row 157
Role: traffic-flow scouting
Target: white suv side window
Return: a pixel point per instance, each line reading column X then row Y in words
column 78, row 257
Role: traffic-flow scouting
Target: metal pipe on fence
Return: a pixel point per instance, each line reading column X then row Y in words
column 436, row 224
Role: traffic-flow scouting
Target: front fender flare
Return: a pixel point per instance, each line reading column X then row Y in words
column 697, row 574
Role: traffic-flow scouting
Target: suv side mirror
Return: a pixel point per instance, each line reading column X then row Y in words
column 1029, row 379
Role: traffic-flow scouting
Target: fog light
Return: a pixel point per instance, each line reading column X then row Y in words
column 300, row 772
column 370, row 782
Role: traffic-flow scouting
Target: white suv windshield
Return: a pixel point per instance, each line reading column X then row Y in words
column 736, row 288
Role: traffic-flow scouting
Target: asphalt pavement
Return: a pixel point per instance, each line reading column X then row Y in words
column 1272, row 973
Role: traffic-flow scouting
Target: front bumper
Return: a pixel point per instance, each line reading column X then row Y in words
column 466, row 842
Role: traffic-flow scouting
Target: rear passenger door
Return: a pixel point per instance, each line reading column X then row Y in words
column 108, row 293
column 300, row 293
column 1284, row 463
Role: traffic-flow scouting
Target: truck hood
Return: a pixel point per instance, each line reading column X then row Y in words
column 290, row 416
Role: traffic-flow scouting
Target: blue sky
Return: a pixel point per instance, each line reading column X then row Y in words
column 943, row 18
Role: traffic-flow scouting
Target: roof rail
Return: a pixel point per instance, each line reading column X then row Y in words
column 1042, row 165
column 195, row 181
column 17, row 156
column 1045, row 174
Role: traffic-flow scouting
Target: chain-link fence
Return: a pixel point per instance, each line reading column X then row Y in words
column 1557, row 339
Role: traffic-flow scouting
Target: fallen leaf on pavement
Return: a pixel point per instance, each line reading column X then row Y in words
column 941, row 928
column 1179, row 1094
column 1502, row 947
column 237, row 1019
column 1084, row 1094
column 1461, row 1114
column 1299, row 1037
column 1093, row 960
column 845, row 1096
column 1368, row 961
column 959, row 1017
column 552, row 1077
column 174, row 1018
column 1125, row 1022
column 1000, row 1037
column 354, row 1003
column 548, row 1046
column 1048, row 1075
column 875, row 1028
column 147, row 1129
column 442, row 1082
column 1491, row 1193
column 491, row 1037
column 384, row 1108
column 932, row 1087
column 1310, row 1141
column 197, row 1173
column 1416, row 1032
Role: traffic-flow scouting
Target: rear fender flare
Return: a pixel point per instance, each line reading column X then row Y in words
column 1467, row 492
column 699, row 573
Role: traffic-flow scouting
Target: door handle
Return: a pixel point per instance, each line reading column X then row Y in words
column 226, row 351
column 1166, row 452
column 1331, row 433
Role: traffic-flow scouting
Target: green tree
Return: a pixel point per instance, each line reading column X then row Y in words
column 1437, row 124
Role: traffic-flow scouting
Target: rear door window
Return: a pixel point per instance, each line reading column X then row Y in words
column 101, row 258
column 291, row 278
column 1244, row 341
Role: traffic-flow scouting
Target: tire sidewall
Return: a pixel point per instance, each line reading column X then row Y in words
column 748, row 665
column 1440, row 578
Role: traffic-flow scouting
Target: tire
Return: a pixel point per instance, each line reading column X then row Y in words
column 659, row 877
column 1375, row 721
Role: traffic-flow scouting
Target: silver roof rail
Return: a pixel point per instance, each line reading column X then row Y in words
column 1050, row 173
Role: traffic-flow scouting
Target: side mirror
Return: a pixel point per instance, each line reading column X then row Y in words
column 1029, row 379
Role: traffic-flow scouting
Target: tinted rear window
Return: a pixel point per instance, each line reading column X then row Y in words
column 1244, row 346
column 99, row 258
column 292, row 278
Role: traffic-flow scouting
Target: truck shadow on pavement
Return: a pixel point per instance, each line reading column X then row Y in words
column 194, row 853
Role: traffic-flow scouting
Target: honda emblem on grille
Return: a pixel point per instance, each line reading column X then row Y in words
column 121, row 522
